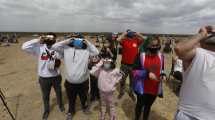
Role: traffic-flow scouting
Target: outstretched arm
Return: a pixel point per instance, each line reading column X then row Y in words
column 59, row 46
column 186, row 50
column 95, row 71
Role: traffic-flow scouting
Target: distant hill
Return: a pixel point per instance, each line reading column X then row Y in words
column 94, row 34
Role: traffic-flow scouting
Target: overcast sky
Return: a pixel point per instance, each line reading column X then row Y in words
column 149, row 16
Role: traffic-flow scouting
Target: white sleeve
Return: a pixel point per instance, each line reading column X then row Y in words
column 92, row 49
column 59, row 47
column 198, row 60
column 32, row 46
column 200, row 53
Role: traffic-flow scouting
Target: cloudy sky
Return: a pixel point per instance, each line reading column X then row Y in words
column 149, row 16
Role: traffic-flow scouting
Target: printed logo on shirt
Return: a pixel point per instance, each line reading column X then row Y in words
column 134, row 45
column 45, row 55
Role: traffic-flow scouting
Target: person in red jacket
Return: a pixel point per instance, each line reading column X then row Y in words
column 130, row 42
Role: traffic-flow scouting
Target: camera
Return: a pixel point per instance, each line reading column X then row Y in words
column 210, row 30
column 48, row 39
column 78, row 43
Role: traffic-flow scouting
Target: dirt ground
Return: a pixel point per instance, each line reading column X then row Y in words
column 18, row 80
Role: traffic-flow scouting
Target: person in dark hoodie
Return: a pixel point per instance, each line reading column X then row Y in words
column 113, row 45
column 48, row 68
column 106, row 51
column 76, row 53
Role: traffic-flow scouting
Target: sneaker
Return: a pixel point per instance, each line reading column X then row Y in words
column 87, row 111
column 62, row 109
column 69, row 116
column 45, row 115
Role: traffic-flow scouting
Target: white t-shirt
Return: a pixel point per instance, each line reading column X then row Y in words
column 197, row 95
column 178, row 66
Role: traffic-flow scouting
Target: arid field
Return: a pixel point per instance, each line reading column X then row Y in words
column 19, row 82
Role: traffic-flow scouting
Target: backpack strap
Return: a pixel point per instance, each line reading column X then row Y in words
column 161, row 56
column 142, row 59
column 49, row 55
column 160, row 90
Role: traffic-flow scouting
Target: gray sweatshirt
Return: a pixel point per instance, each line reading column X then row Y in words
column 76, row 61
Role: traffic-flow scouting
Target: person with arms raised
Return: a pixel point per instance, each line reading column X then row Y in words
column 48, row 68
column 76, row 53
column 196, row 99
column 130, row 42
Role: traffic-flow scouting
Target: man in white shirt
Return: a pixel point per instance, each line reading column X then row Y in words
column 48, row 68
column 197, row 95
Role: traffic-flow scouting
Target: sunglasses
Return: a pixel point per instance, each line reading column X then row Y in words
column 108, row 60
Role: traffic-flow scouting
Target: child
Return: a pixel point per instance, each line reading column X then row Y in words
column 108, row 77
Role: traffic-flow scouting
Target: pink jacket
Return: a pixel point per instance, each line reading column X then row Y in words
column 107, row 80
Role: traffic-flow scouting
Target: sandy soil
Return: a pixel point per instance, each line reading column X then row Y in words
column 18, row 80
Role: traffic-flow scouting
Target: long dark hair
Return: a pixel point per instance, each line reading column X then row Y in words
column 149, row 41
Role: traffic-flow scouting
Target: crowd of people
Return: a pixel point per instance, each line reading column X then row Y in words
column 142, row 60
column 6, row 39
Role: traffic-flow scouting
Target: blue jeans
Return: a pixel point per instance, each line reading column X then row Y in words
column 182, row 116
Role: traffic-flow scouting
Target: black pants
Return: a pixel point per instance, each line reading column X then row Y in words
column 144, row 101
column 178, row 75
column 72, row 91
column 177, row 85
column 127, row 69
column 94, row 90
column 46, row 85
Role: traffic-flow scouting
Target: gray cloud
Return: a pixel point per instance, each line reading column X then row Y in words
column 156, row 16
